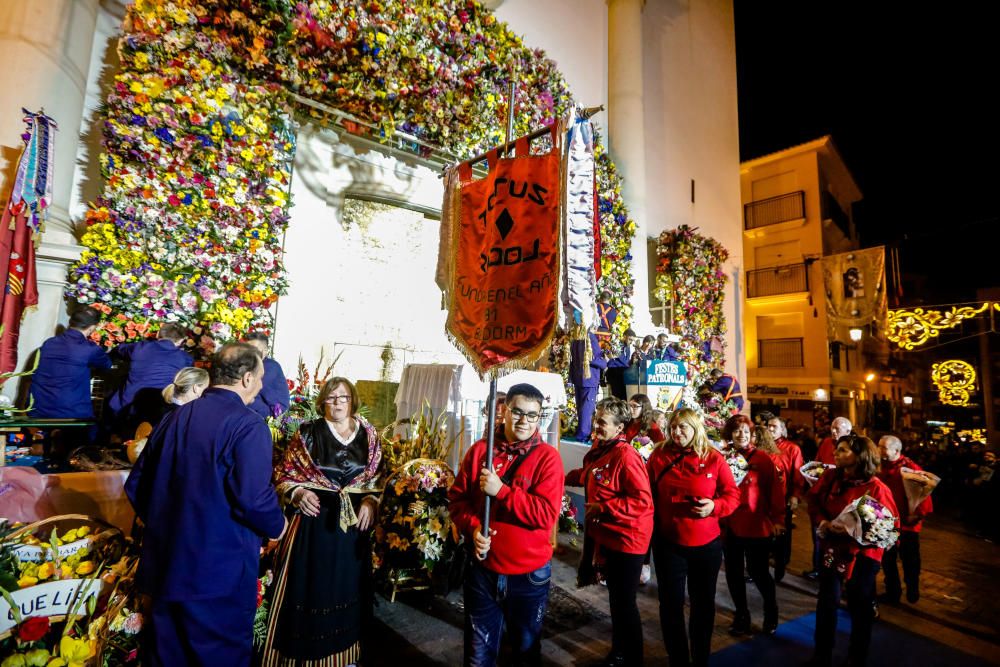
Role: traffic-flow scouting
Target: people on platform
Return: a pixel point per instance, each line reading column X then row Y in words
column 508, row 578
column 60, row 385
column 617, row 366
column 692, row 489
column 586, row 363
column 152, row 365
column 202, row 487
column 845, row 562
column 641, row 420
column 726, row 386
column 273, row 399
column 618, row 525
column 323, row 591
column 907, row 548
column 635, row 374
column 788, row 461
column 750, row 528
column 665, row 350
column 839, row 427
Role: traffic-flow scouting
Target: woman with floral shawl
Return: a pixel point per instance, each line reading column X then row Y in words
column 322, row 593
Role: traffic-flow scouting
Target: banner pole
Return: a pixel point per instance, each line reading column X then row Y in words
column 491, row 418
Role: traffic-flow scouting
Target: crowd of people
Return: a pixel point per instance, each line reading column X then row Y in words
column 209, row 496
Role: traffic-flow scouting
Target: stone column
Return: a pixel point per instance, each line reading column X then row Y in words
column 626, row 136
column 46, row 49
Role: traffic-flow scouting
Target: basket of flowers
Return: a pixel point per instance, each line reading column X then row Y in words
column 66, row 594
column 414, row 542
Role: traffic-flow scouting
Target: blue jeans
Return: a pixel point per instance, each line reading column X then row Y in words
column 494, row 602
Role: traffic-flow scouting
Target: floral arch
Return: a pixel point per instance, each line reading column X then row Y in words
column 200, row 135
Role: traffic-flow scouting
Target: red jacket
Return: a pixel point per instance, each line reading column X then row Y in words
column 653, row 432
column 890, row 474
column 709, row 477
column 524, row 513
column 831, row 494
column 824, row 453
column 614, row 475
column 762, row 499
column 791, row 461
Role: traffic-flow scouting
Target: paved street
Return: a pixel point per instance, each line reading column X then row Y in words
column 953, row 624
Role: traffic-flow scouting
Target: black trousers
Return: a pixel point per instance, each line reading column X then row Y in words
column 906, row 549
column 783, row 546
column 621, row 572
column 860, row 601
column 755, row 552
column 699, row 568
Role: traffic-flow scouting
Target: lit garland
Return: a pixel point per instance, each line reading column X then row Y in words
column 912, row 328
column 955, row 380
column 198, row 141
column 689, row 275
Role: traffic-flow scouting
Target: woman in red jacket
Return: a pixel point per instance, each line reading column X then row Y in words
column 857, row 460
column 641, row 420
column 619, row 525
column 760, row 516
column 692, row 489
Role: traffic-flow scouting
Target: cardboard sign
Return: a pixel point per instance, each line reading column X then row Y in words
column 665, row 382
column 503, row 296
column 55, row 598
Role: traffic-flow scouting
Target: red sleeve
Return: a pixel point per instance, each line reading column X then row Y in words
column 816, row 496
column 727, row 494
column 799, row 484
column 464, row 496
column 634, row 497
column 574, row 477
column 655, row 434
column 539, row 505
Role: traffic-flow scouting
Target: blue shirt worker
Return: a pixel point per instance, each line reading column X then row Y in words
column 202, row 487
column 60, row 386
column 586, row 379
column 727, row 386
column 273, row 399
column 665, row 350
column 152, row 364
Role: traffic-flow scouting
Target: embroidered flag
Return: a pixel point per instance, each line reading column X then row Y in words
column 505, row 247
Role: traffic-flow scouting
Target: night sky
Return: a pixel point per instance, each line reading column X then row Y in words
column 906, row 96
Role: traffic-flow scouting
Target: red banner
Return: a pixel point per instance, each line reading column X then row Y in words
column 505, row 280
column 17, row 267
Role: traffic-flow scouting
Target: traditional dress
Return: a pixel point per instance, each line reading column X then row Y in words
column 322, row 589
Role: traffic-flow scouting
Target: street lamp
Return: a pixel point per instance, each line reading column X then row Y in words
column 907, row 400
column 856, row 334
column 869, row 377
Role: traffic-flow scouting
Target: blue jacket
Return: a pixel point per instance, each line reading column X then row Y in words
column 597, row 362
column 60, row 386
column 623, row 360
column 152, row 365
column 203, row 488
column 273, row 397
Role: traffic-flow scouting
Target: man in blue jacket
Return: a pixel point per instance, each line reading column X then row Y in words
column 617, row 366
column 152, row 365
column 202, row 487
column 60, row 386
column 586, row 379
column 273, row 398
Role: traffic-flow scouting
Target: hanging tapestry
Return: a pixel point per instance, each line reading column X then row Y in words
column 505, row 248
column 855, row 290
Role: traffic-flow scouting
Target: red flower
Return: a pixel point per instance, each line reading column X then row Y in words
column 33, row 629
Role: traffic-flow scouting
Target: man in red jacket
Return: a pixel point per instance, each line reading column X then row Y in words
column 507, row 583
column 790, row 460
column 910, row 523
column 839, row 427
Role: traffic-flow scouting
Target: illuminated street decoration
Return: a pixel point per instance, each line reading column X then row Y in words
column 955, row 380
column 912, row 328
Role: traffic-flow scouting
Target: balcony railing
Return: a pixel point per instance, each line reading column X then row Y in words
column 774, row 210
column 780, row 353
column 786, row 279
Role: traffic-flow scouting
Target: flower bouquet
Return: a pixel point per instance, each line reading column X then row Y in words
column 813, row 470
column 737, row 465
column 917, row 484
column 568, row 517
column 644, row 445
column 415, row 539
column 263, row 604
column 869, row 523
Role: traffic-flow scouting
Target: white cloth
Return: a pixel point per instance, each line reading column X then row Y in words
column 579, row 282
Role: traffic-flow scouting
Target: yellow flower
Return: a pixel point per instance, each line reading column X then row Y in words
column 65, row 571
column 86, row 567
column 75, row 652
column 83, row 531
column 46, row 570
column 26, row 581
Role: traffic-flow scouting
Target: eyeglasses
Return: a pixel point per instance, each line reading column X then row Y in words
column 530, row 417
column 634, row 406
column 334, row 400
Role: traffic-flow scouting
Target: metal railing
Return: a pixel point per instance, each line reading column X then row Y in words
column 780, row 353
column 785, row 279
column 774, row 210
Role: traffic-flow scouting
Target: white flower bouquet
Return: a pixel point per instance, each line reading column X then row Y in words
column 869, row 523
column 918, row 485
column 813, row 470
column 737, row 465
column 644, row 445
